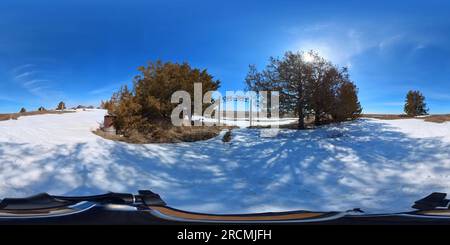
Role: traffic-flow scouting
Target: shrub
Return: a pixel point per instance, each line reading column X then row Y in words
column 227, row 136
column 148, row 104
column 107, row 105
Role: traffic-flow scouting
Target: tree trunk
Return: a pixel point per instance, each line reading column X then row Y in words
column 317, row 118
column 300, row 106
column 301, row 117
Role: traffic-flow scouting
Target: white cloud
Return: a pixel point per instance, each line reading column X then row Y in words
column 342, row 43
column 332, row 42
column 390, row 41
column 419, row 47
column 437, row 96
column 25, row 74
column 105, row 89
column 22, row 67
column 32, row 81
column 6, row 98
column 393, row 103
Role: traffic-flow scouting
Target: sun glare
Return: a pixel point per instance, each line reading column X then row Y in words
column 308, row 57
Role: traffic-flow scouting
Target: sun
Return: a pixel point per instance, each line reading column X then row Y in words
column 308, row 57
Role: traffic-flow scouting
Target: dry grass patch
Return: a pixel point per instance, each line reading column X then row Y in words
column 168, row 134
column 15, row 116
column 430, row 118
column 438, row 118
column 386, row 116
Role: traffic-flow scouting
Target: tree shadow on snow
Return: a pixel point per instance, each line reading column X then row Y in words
column 363, row 164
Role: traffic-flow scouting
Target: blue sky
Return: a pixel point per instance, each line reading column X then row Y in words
column 81, row 51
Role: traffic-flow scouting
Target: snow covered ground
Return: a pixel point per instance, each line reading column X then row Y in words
column 376, row 165
column 245, row 122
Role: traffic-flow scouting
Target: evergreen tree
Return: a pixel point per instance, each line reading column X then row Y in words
column 287, row 75
column 61, row 106
column 321, row 88
column 415, row 104
column 23, row 110
column 149, row 102
column 308, row 87
column 107, row 105
column 153, row 89
column 127, row 112
column 347, row 104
